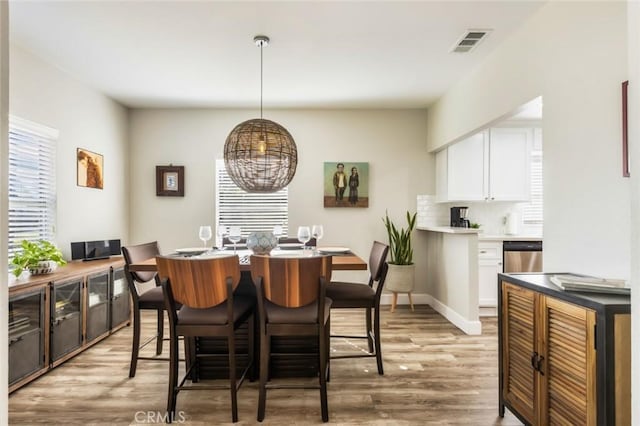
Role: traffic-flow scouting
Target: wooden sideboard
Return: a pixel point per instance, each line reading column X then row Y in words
column 54, row 317
column 564, row 357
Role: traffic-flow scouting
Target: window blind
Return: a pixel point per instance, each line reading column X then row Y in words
column 32, row 183
column 250, row 211
column 532, row 212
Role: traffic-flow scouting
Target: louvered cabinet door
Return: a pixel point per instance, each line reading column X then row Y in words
column 518, row 341
column 567, row 388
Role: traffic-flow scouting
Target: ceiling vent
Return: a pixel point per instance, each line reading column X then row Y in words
column 469, row 40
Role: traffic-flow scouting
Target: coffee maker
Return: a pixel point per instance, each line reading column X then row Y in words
column 459, row 217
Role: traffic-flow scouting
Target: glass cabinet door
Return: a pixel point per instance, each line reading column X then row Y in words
column 66, row 318
column 98, row 305
column 120, row 298
column 26, row 334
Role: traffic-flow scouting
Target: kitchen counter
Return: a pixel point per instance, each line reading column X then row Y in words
column 448, row 229
column 503, row 237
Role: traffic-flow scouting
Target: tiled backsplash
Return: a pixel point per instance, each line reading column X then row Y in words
column 490, row 215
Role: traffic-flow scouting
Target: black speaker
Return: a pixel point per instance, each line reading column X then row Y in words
column 92, row 250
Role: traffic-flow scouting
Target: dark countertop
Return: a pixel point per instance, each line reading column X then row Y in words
column 541, row 283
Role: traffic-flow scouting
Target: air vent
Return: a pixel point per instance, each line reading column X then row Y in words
column 469, row 40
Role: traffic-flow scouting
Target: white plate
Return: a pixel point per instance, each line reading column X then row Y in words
column 192, row 250
column 334, row 249
column 291, row 246
column 292, row 253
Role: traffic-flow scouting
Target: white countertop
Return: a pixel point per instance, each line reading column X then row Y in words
column 448, row 229
column 481, row 236
column 503, row 237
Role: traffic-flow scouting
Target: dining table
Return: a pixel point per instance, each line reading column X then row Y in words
column 347, row 261
column 294, row 366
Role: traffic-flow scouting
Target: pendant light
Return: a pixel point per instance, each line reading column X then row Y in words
column 260, row 155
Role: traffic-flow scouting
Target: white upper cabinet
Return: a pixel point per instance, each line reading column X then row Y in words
column 509, row 164
column 467, row 168
column 492, row 165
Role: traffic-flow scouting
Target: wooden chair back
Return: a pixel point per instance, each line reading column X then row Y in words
column 199, row 283
column 291, row 282
column 139, row 253
column 377, row 258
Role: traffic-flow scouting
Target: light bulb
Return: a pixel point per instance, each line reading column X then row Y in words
column 262, row 145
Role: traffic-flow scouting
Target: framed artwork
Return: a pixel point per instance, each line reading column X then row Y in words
column 89, row 169
column 170, row 181
column 346, row 184
column 625, row 130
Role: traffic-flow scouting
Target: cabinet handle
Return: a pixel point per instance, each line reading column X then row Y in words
column 534, row 357
column 539, row 365
column 483, row 251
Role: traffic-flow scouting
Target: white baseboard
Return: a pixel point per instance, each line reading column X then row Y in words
column 488, row 311
column 469, row 327
column 403, row 299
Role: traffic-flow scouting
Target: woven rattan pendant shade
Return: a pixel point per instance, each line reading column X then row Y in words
column 260, row 155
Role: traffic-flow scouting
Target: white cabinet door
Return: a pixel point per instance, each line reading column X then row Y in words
column 466, row 169
column 509, row 150
column 488, row 270
column 489, row 265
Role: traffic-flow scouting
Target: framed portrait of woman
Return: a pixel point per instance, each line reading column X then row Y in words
column 89, row 169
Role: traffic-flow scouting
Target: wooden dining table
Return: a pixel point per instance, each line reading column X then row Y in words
column 339, row 262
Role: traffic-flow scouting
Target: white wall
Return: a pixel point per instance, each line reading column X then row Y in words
column 633, row 19
column 392, row 141
column 574, row 55
column 87, row 119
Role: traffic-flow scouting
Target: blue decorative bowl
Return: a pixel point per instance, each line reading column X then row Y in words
column 262, row 242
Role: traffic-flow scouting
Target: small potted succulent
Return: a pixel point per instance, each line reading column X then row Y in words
column 41, row 257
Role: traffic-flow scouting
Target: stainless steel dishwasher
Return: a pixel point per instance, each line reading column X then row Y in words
column 522, row 256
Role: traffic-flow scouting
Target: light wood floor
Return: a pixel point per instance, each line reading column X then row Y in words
column 434, row 374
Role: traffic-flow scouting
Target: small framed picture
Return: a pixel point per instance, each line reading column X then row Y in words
column 170, row 181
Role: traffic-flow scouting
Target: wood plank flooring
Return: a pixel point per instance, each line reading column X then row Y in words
column 434, row 374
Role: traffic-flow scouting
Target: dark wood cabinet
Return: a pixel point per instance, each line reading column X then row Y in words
column 562, row 354
column 54, row 317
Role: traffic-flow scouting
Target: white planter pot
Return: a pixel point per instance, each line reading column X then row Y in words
column 43, row 267
column 400, row 278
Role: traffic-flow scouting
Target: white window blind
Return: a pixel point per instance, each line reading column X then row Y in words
column 532, row 212
column 251, row 211
column 32, row 182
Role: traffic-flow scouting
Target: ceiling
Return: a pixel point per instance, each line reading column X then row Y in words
column 322, row 54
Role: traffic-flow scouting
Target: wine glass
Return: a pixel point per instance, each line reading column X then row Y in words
column 304, row 235
column 222, row 232
column 317, row 232
column 234, row 236
column 205, row 234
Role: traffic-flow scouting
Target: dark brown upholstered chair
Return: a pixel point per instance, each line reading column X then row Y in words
column 291, row 302
column 151, row 299
column 356, row 295
column 205, row 289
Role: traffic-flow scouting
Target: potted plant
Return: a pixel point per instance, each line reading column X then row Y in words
column 39, row 257
column 401, row 273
